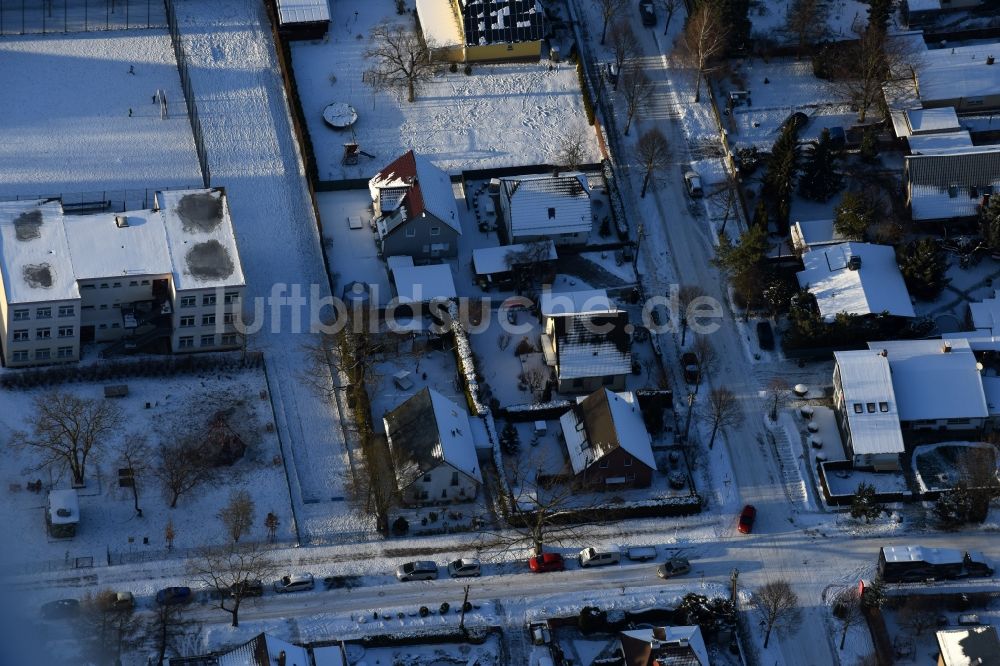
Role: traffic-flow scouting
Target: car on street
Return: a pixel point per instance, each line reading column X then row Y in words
column 464, row 568
column 419, row 570
column 675, row 566
column 294, row 583
column 61, row 608
column 247, row 588
column 692, row 369
column 765, row 335
column 648, row 12
column 747, row 516
column 692, row 181
column 171, row 596
column 547, row 562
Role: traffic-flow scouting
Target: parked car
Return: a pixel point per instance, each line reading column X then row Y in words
column 765, row 335
column 547, row 562
column 590, row 557
column 170, row 596
column 247, row 588
column 641, row 553
column 294, row 583
column 420, row 570
column 464, row 567
column 61, row 608
column 647, row 12
column 692, row 369
column 692, row 181
column 675, row 566
column 798, row 119
column 747, row 516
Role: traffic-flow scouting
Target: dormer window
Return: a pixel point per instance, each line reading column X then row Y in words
column 858, row 409
column 883, row 407
column 871, row 407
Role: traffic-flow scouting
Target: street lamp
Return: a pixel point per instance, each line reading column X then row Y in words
column 733, row 576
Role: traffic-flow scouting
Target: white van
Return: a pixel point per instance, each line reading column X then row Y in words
column 589, row 557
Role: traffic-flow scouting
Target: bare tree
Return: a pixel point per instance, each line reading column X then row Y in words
column 167, row 630
column 977, row 469
column 135, row 457
column 778, row 393
column 271, row 523
column 233, row 571
column 67, row 432
column 703, row 41
column 778, row 603
column 624, row 47
column 687, row 294
column 806, row 19
column 237, row 515
column 572, row 149
column 669, row 8
column 108, row 625
column 638, row 91
column 873, row 66
column 847, row 607
column 707, row 357
column 609, row 9
column 181, row 468
column 653, row 152
column 722, row 412
column 918, row 614
column 401, row 58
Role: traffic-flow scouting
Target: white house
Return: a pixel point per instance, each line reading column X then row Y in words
column 855, row 278
column 164, row 279
column 547, row 207
column 433, row 450
column 867, row 412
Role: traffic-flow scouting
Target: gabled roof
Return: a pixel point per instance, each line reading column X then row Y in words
column 303, row 11
column 426, row 431
column 951, row 184
column 566, row 303
column 958, row 72
column 866, row 380
column 502, row 21
column 413, row 185
column 439, row 24
column 264, row 650
column 939, row 144
column 547, row 205
column 669, row 646
column 876, row 287
column 602, row 422
column 584, row 350
column 421, row 284
column 969, row 646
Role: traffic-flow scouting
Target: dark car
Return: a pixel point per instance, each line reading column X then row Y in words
column 797, row 119
column 692, row 369
column 647, row 12
column 170, row 596
column 247, row 588
column 61, row 608
column 765, row 335
column 547, row 562
column 747, row 516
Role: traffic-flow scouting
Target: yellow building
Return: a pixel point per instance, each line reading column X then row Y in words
column 482, row 30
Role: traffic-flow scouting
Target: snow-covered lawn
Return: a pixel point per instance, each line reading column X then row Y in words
column 936, row 466
column 76, row 120
column 500, row 115
column 770, row 17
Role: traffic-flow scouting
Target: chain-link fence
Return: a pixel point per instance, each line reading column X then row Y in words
column 102, row 201
column 21, row 17
column 192, row 106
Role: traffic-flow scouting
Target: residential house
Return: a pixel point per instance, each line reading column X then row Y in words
column 303, row 19
column 415, row 210
column 855, row 278
column 865, row 404
column 966, row 78
column 664, row 646
column 968, row 646
column 951, row 183
column 501, row 266
column 607, row 441
column 546, row 207
column 433, row 450
column 164, row 279
column 482, row 30
column 917, row 13
column 586, row 339
column 984, row 316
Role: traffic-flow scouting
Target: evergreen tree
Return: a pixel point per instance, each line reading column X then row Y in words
column 777, row 295
column 865, row 504
column 874, row 594
column 510, row 441
column 954, row 507
column 990, row 223
column 735, row 14
column 854, row 215
column 820, row 179
column 923, row 265
column 760, row 216
column 743, row 264
column 779, row 179
column 879, row 12
column 869, row 146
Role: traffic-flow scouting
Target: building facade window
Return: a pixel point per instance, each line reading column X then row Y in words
column 188, row 301
column 21, row 335
column 187, row 321
column 185, row 342
column 19, row 356
column 411, row 232
column 64, row 352
column 21, row 315
column 208, row 341
column 116, row 285
column 231, row 297
column 435, row 231
column 208, row 320
column 229, row 339
column 104, row 285
column 133, row 283
column 208, row 299
column 43, row 333
column 42, row 354
column 66, row 310
column 227, row 317
column 43, row 313
column 65, row 331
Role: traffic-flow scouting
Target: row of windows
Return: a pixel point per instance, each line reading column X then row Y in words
column 22, row 335
column 24, row 314
column 187, row 341
column 116, row 285
column 209, row 299
column 411, row 231
column 42, row 354
column 206, row 320
column 860, row 409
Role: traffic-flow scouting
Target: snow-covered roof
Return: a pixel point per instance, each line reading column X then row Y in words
column 950, row 184
column 329, row 655
column 931, row 383
column 592, row 345
column 866, row 381
column 548, row 205
column 265, row 650
column 421, row 284
column 67, row 501
column 502, row 21
column 412, row 182
column 958, row 72
column 991, row 391
column 922, row 554
column 34, row 255
column 969, row 646
column 602, row 422
column 926, row 121
column 923, row 5
column 938, row 144
column 429, row 429
column 985, row 315
column 560, row 304
column 659, row 636
column 200, row 238
column 491, row 260
column 303, row 11
column 809, row 234
column 439, row 23
column 876, row 286
column 101, row 248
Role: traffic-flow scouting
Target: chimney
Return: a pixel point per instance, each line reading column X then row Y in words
column 121, row 221
column 885, row 353
column 854, row 262
column 990, row 60
column 945, row 347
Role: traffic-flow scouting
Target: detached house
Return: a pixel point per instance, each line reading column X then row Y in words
column 433, row 451
column 866, row 410
column 607, row 441
column 415, row 210
column 664, row 646
column 950, row 184
column 482, row 30
column 547, row 207
column 586, row 340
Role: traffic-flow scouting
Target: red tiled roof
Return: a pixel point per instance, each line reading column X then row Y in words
column 404, row 168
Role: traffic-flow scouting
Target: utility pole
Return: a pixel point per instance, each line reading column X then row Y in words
column 687, row 423
column 465, row 604
column 733, row 577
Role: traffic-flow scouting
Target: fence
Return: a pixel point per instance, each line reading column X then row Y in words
column 192, row 106
column 20, row 17
column 102, row 201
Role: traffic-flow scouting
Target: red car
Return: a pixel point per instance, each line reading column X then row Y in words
column 547, row 562
column 747, row 516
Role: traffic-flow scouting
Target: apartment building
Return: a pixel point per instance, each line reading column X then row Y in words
column 167, row 279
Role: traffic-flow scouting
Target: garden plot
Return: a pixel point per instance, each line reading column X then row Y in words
column 85, row 120
column 938, row 466
column 499, row 116
column 427, row 367
column 968, row 285
column 769, row 19
column 159, row 410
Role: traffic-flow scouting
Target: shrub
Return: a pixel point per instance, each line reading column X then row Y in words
column 468, row 70
column 444, row 608
column 453, row 67
column 400, row 526
column 424, row 611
